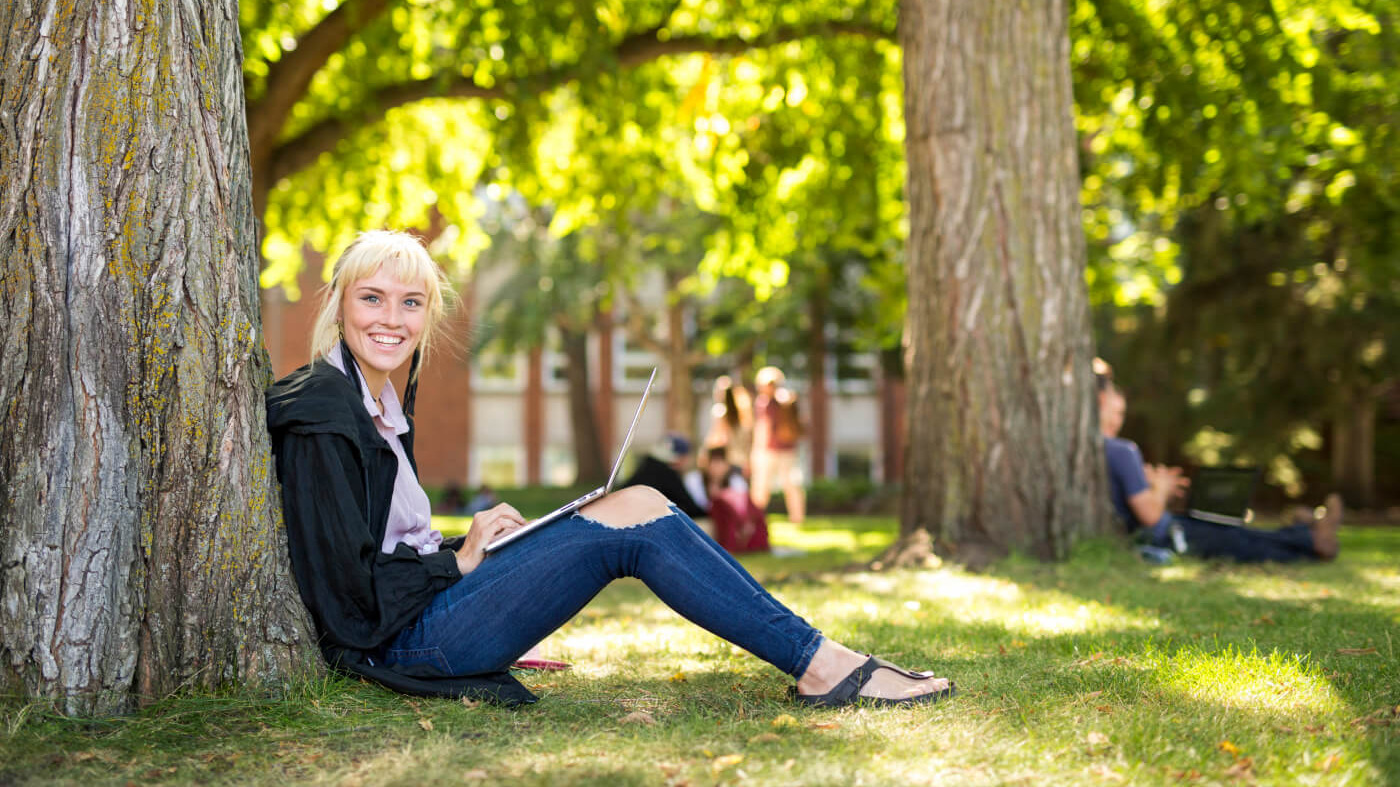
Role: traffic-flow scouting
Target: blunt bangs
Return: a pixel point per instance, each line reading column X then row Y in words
column 403, row 257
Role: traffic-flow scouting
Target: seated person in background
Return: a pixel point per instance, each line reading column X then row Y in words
column 451, row 502
column 1141, row 492
column 484, row 499
column 663, row 469
column 739, row 525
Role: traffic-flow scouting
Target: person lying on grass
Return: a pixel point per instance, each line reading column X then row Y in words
column 394, row 602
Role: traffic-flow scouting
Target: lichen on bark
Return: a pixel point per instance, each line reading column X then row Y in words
column 143, row 550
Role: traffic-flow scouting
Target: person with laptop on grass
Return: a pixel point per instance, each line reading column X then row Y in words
column 394, row 601
column 1141, row 493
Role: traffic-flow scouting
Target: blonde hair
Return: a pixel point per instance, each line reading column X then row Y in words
column 405, row 258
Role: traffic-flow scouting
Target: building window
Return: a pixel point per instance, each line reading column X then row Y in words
column 499, row 465
column 855, row 462
column 559, row 467
column 632, row 365
column 495, row 371
column 856, row 372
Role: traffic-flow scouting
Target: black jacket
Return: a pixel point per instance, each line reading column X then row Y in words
column 337, row 478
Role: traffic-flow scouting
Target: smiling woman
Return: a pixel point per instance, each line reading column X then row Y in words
column 395, row 602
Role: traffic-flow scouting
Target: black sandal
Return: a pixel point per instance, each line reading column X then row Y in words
column 847, row 692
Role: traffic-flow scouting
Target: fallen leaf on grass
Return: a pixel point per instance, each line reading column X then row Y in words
column 1089, row 660
column 1107, row 773
column 1104, row 709
column 785, row 721
column 1093, row 694
column 679, row 677
column 765, row 737
column 1379, row 718
column 825, row 725
column 727, row 761
column 1192, row 775
column 467, row 702
column 1329, row 763
column 639, row 717
column 1096, row 739
column 1229, row 748
column 1242, row 769
column 426, row 724
column 1357, row 651
column 476, row 774
column 1264, row 620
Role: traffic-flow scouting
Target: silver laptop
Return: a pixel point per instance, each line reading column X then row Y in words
column 576, row 504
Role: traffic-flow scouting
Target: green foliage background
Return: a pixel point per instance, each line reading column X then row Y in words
column 1239, row 180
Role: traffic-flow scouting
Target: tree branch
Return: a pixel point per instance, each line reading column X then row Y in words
column 288, row 78
column 634, row 50
column 637, row 327
column 301, row 151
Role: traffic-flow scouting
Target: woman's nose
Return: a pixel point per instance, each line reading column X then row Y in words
column 393, row 315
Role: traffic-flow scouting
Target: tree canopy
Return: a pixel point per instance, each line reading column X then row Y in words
column 1238, row 173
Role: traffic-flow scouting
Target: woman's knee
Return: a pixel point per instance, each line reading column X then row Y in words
column 635, row 505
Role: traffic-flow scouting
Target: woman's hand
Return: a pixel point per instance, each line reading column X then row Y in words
column 486, row 527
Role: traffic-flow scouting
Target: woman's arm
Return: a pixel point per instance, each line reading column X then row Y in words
column 359, row 596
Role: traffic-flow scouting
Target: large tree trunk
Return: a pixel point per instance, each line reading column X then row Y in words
column 1003, row 452
column 680, row 362
column 588, row 446
column 1354, row 449
column 141, row 549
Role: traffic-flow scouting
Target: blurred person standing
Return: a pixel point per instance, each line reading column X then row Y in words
column 731, row 422
column 777, row 431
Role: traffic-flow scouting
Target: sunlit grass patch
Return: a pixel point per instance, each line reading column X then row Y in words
column 1099, row 671
column 1275, row 684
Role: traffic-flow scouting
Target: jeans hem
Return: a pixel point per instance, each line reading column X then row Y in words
column 808, row 652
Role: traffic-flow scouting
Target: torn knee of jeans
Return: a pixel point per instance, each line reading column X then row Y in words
column 623, row 525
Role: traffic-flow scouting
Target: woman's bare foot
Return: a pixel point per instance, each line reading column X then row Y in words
column 833, row 662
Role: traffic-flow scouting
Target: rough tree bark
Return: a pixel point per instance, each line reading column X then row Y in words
column 1002, row 451
column 141, row 549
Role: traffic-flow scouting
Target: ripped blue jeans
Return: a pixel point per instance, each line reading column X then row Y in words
column 522, row 593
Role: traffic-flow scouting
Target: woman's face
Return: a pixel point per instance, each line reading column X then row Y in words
column 383, row 320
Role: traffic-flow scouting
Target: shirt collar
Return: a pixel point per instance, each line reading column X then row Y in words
column 392, row 415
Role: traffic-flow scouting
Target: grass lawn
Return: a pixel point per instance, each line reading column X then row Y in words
column 1099, row 671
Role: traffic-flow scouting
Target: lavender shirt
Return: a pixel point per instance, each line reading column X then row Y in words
column 410, row 513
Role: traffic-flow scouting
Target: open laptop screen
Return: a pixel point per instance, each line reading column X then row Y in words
column 1222, row 494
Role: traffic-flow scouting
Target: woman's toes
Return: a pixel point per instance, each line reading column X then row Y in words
column 892, row 686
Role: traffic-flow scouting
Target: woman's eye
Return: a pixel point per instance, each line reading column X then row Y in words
column 412, row 303
column 370, row 298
